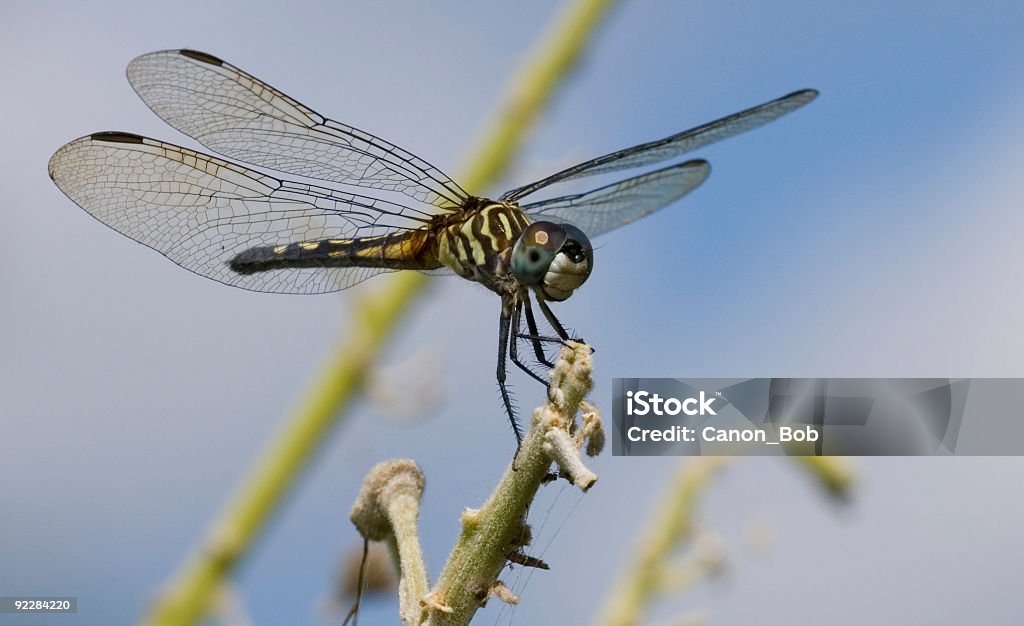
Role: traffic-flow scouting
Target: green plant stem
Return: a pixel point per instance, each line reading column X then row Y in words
column 833, row 473
column 671, row 525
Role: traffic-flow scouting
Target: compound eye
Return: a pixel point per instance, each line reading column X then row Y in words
column 577, row 246
column 571, row 266
column 535, row 250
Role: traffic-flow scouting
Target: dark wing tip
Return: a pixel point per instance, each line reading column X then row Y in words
column 804, row 95
column 202, row 57
column 701, row 166
column 115, row 136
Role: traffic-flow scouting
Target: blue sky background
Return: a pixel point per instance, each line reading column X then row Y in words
column 874, row 233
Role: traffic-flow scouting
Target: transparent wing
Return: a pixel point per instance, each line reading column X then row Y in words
column 200, row 211
column 670, row 147
column 609, row 207
column 243, row 118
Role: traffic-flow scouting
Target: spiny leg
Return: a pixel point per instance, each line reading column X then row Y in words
column 514, row 346
column 504, row 326
column 535, row 338
column 553, row 320
column 550, row 316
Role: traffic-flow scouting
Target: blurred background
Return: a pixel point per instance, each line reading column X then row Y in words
column 874, row 233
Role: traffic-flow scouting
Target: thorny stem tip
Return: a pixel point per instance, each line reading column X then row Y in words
column 387, row 508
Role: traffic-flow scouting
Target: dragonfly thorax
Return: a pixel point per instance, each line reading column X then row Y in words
column 495, row 243
column 476, row 242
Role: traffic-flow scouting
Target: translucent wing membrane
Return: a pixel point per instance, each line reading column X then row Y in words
column 241, row 117
column 201, row 211
column 609, row 207
column 675, row 145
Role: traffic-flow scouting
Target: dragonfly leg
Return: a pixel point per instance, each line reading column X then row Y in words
column 558, row 325
column 514, row 346
column 553, row 320
column 535, row 338
column 504, row 326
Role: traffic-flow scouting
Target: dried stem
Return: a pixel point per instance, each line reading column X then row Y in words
column 491, row 533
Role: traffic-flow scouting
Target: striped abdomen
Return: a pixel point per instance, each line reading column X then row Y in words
column 398, row 251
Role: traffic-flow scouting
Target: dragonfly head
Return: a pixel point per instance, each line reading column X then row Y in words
column 554, row 259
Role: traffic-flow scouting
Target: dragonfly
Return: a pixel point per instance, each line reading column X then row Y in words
column 248, row 229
